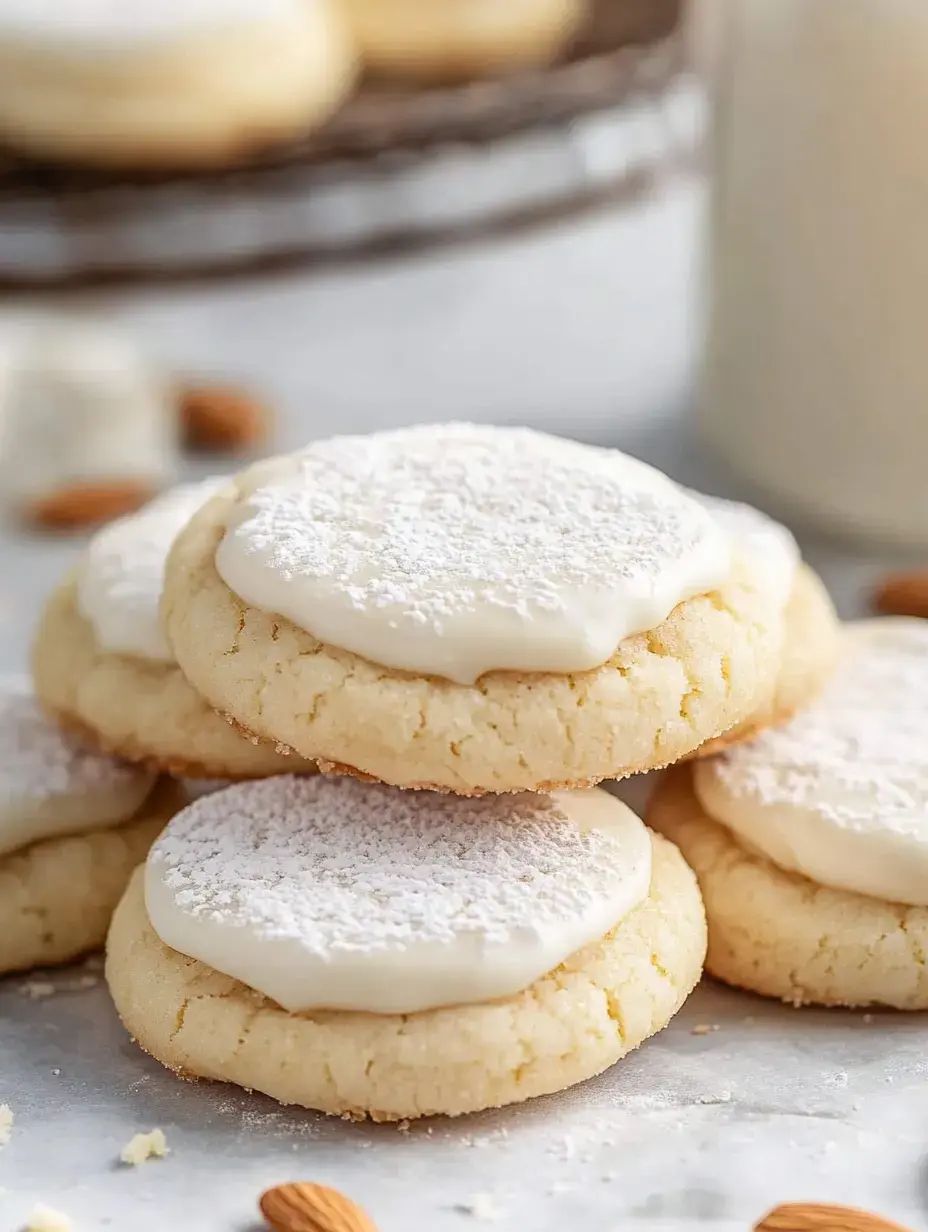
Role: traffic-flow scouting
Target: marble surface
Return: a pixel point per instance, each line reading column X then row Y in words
column 590, row 331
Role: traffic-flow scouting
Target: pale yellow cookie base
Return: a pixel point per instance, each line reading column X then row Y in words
column 460, row 39
column 662, row 694
column 205, row 98
column 568, row 1026
column 809, row 655
column 57, row 897
column 142, row 711
column 781, row 935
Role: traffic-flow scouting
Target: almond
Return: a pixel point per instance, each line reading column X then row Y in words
column 79, row 506
column 903, row 594
column 820, row 1217
column 304, row 1207
column 219, row 418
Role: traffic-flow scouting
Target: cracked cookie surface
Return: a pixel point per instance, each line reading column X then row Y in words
column 139, row 709
column 661, row 695
column 568, row 1026
column 782, row 935
column 57, row 896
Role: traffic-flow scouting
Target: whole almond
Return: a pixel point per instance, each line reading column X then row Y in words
column 79, row 506
column 220, row 418
column 820, row 1217
column 304, row 1207
column 903, row 594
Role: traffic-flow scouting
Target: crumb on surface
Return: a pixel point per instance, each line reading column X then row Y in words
column 481, row 1206
column 46, row 1219
column 6, row 1124
column 704, row 1028
column 142, row 1147
column 84, row 981
column 561, row 1187
column 36, row 990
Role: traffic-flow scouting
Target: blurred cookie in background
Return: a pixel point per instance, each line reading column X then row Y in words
column 183, row 82
column 451, row 40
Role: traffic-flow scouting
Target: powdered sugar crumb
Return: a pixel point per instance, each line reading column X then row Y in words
column 144, row 1146
column 83, row 982
column 44, row 1218
column 37, row 990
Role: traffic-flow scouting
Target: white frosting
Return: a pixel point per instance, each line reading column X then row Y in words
column 50, row 785
column 759, row 537
column 456, row 550
column 82, row 25
column 840, row 794
column 329, row 893
column 121, row 575
column 79, row 405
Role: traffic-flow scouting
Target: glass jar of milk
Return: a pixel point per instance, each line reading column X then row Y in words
column 816, row 382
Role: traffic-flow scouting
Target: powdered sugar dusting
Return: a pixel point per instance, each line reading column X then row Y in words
column 122, row 574
column 862, row 748
column 369, row 892
column 841, row 792
column 458, row 549
column 39, row 761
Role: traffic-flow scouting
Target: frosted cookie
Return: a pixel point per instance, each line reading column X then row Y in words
column 470, row 609
column 455, row 39
column 80, row 409
column 370, row 952
column 73, row 826
column 811, row 628
column 179, row 82
column 811, row 842
column 101, row 665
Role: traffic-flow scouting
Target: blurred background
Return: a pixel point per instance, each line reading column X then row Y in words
column 686, row 229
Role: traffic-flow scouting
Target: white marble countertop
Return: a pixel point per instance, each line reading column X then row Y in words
column 589, row 331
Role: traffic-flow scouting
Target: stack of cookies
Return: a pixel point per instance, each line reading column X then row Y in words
column 464, row 630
